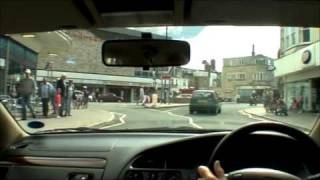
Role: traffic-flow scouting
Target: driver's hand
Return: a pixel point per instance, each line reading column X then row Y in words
column 206, row 174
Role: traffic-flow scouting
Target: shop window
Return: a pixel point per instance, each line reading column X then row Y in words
column 260, row 76
column 230, row 76
column 287, row 42
column 17, row 52
column 293, row 38
column 282, row 43
column 261, row 61
column 242, row 76
column 230, row 63
column 3, row 47
column 305, row 35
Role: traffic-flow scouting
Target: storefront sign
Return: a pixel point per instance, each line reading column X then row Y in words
column 306, row 57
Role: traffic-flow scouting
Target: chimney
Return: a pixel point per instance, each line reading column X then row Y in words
column 253, row 53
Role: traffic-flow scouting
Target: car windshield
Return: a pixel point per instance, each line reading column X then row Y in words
column 57, row 79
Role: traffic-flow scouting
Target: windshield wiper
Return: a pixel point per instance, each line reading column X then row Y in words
column 71, row 130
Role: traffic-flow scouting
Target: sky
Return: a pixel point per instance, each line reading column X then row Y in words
column 218, row 42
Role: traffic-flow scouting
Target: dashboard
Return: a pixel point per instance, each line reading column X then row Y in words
column 144, row 156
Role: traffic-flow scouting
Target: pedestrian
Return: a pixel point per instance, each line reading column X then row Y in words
column 300, row 104
column 70, row 93
column 77, row 99
column 93, row 96
column 26, row 88
column 294, row 104
column 62, row 86
column 51, row 97
column 281, row 107
column 97, row 95
column 58, row 102
column 145, row 100
column 267, row 101
column 90, row 97
column 85, row 97
column 141, row 95
column 45, row 96
column 253, row 98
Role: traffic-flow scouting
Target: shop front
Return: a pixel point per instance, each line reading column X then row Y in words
column 299, row 74
column 300, row 91
column 124, row 86
column 14, row 59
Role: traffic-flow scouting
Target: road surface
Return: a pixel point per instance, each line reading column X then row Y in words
column 116, row 116
column 132, row 116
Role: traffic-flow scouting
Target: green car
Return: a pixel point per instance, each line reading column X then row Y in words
column 206, row 101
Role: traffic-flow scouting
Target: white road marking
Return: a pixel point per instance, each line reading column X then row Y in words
column 108, row 120
column 171, row 109
column 251, row 117
column 190, row 120
column 261, row 119
column 121, row 119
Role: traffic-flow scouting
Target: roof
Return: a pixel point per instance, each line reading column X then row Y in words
column 248, row 57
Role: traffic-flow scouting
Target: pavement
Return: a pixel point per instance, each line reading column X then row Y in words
column 90, row 117
column 303, row 120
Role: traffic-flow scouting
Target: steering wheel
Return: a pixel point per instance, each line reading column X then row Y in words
column 265, row 173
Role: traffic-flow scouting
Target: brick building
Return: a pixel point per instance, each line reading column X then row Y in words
column 242, row 75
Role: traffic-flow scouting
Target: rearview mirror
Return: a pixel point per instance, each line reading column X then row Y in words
column 145, row 53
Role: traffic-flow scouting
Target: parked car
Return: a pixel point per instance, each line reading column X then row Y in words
column 78, row 94
column 205, row 100
column 184, row 96
column 109, row 97
column 227, row 99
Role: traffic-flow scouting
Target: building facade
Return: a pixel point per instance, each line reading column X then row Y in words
column 242, row 75
column 77, row 54
column 298, row 66
column 194, row 78
column 14, row 59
